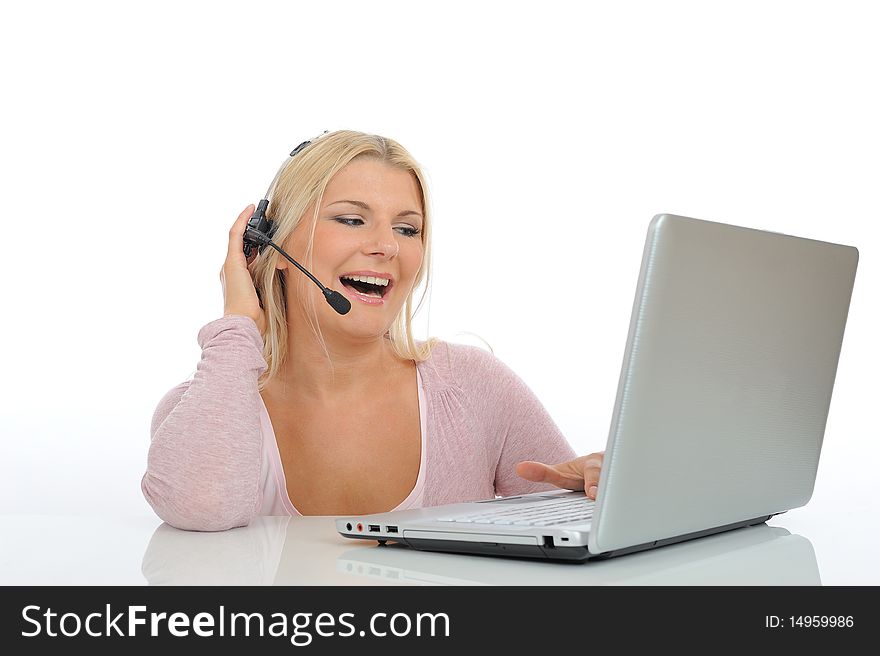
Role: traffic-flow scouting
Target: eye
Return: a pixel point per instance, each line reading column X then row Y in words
column 349, row 220
column 407, row 231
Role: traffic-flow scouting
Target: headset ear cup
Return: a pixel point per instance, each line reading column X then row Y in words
column 268, row 230
column 258, row 223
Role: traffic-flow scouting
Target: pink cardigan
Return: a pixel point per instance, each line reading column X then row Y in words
column 213, row 461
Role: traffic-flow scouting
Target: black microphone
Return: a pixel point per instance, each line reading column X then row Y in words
column 260, row 230
column 336, row 300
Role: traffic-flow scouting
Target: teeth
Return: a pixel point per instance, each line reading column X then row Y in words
column 372, row 280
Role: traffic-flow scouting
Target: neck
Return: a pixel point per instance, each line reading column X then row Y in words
column 345, row 368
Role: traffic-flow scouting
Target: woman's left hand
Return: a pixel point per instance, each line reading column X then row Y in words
column 579, row 474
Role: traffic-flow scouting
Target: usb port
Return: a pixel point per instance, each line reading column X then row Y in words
column 374, row 528
column 391, row 529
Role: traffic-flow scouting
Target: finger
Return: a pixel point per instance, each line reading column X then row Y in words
column 557, row 475
column 592, row 468
column 236, row 232
column 591, row 481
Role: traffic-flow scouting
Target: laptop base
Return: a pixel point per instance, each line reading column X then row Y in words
column 548, row 551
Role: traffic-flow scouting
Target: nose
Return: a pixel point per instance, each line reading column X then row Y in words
column 382, row 243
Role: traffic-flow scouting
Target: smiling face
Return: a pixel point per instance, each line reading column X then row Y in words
column 367, row 245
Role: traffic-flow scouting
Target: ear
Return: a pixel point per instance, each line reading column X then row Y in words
column 281, row 263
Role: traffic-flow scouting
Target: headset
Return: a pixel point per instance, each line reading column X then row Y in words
column 260, row 230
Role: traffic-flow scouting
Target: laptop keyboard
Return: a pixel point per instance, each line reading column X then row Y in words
column 541, row 513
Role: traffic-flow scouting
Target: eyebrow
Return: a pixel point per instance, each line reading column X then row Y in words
column 362, row 204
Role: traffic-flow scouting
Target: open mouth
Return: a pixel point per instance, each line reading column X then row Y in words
column 367, row 285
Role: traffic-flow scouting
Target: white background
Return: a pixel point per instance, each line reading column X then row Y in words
column 551, row 133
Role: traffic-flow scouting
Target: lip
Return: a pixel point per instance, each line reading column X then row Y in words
column 363, row 298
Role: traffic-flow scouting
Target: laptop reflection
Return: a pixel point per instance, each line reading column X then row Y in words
column 278, row 551
column 758, row 555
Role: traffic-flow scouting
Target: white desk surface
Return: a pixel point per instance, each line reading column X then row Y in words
column 806, row 546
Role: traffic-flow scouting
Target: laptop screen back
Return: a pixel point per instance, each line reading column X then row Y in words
column 726, row 381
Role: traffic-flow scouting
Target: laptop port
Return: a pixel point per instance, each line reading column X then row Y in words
column 391, row 529
column 374, row 528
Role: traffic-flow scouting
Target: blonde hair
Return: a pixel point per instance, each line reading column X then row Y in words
column 300, row 184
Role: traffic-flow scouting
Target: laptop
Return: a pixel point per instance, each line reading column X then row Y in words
column 721, row 405
column 755, row 555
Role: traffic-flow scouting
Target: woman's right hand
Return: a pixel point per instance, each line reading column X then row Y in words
column 239, row 293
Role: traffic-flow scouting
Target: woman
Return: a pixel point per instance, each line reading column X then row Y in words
column 296, row 409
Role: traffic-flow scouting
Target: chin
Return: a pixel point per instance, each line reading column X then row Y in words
column 356, row 325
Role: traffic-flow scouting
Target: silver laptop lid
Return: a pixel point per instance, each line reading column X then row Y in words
column 726, row 380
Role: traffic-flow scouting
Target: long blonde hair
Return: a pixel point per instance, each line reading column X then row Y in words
column 301, row 183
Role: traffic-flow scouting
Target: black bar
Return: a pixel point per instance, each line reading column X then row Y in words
column 510, row 618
